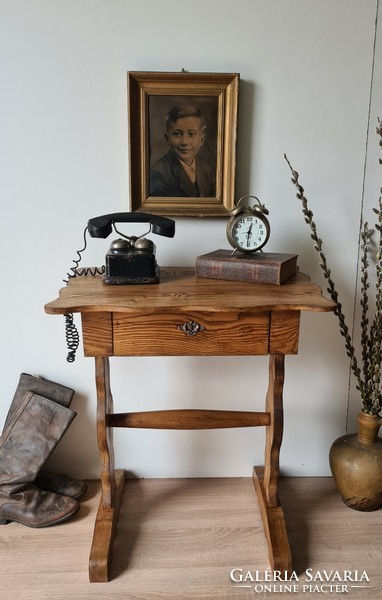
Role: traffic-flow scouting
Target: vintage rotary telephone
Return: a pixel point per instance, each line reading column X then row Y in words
column 130, row 260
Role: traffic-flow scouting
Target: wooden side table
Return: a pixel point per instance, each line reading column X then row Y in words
column 188, row 316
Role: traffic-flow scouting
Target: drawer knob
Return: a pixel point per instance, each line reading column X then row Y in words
column 191, row 328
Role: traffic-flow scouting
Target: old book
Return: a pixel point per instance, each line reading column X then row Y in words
column 260, row 267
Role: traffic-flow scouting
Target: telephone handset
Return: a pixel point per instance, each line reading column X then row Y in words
column 130, row 259
column 102, row 226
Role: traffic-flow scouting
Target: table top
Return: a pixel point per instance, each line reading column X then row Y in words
column 179, row 289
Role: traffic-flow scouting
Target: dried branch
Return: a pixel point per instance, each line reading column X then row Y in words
column 369, row 379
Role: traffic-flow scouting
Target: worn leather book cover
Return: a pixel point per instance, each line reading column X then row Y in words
column 260, row 267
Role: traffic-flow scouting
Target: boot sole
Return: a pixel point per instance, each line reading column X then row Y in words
column 5, row 521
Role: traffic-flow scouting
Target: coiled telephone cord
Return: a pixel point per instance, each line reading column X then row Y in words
column 72, row 337
column 71, row 331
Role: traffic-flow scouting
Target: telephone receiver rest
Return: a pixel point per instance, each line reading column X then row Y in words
column 101, row 227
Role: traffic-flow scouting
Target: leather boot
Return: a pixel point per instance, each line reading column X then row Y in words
column 51, row 482
column 33, row 431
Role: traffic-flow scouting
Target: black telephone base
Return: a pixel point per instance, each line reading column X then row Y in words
column 122, row 280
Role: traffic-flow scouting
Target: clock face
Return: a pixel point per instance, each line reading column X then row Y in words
column 249, row 232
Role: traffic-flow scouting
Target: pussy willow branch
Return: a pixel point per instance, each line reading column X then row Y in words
column 376, row 342
column 369, row 381
column 344, row 330
column 377, row 323
column 365, row 285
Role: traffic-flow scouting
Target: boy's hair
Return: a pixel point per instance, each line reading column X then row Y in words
column 179, row 111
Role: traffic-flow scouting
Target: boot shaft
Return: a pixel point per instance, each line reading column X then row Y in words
column 30, row 436
column 43, row 387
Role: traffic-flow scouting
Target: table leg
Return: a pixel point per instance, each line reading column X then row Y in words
column 266, row 479
column 112, row 481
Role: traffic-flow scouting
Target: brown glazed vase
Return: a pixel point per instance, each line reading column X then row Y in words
column 356, row 465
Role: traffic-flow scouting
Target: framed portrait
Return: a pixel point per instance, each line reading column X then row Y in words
column 182, row 142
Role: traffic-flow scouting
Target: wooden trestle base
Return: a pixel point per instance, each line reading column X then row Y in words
column 104, row 533
column 280, row 557
column 107, row 518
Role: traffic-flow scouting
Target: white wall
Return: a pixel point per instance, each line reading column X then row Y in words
column 305, row 71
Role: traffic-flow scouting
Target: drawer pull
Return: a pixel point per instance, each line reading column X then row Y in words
column 191, row 328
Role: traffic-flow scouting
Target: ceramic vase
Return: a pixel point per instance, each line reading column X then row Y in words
column 356, row 465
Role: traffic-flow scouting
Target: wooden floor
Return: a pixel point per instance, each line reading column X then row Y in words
column 180, row 538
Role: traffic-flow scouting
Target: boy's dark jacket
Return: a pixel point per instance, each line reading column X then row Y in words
column 169, row 179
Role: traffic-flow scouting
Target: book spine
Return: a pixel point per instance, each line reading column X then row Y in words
column 245, row 271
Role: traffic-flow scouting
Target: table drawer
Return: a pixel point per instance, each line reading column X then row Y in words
column 187, row 334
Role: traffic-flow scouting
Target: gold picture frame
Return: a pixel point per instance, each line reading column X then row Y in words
column 159, row 179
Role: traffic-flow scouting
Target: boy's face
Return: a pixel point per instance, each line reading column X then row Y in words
column 185, row 137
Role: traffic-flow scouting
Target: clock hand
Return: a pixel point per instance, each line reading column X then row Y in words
column 249, row 233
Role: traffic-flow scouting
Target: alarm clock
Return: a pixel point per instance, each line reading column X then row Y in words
column 248, row 228
column 247, row 231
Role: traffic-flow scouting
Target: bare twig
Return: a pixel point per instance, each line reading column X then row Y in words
column 369, row 378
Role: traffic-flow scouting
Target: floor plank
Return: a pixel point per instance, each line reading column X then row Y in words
column 180, row 538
